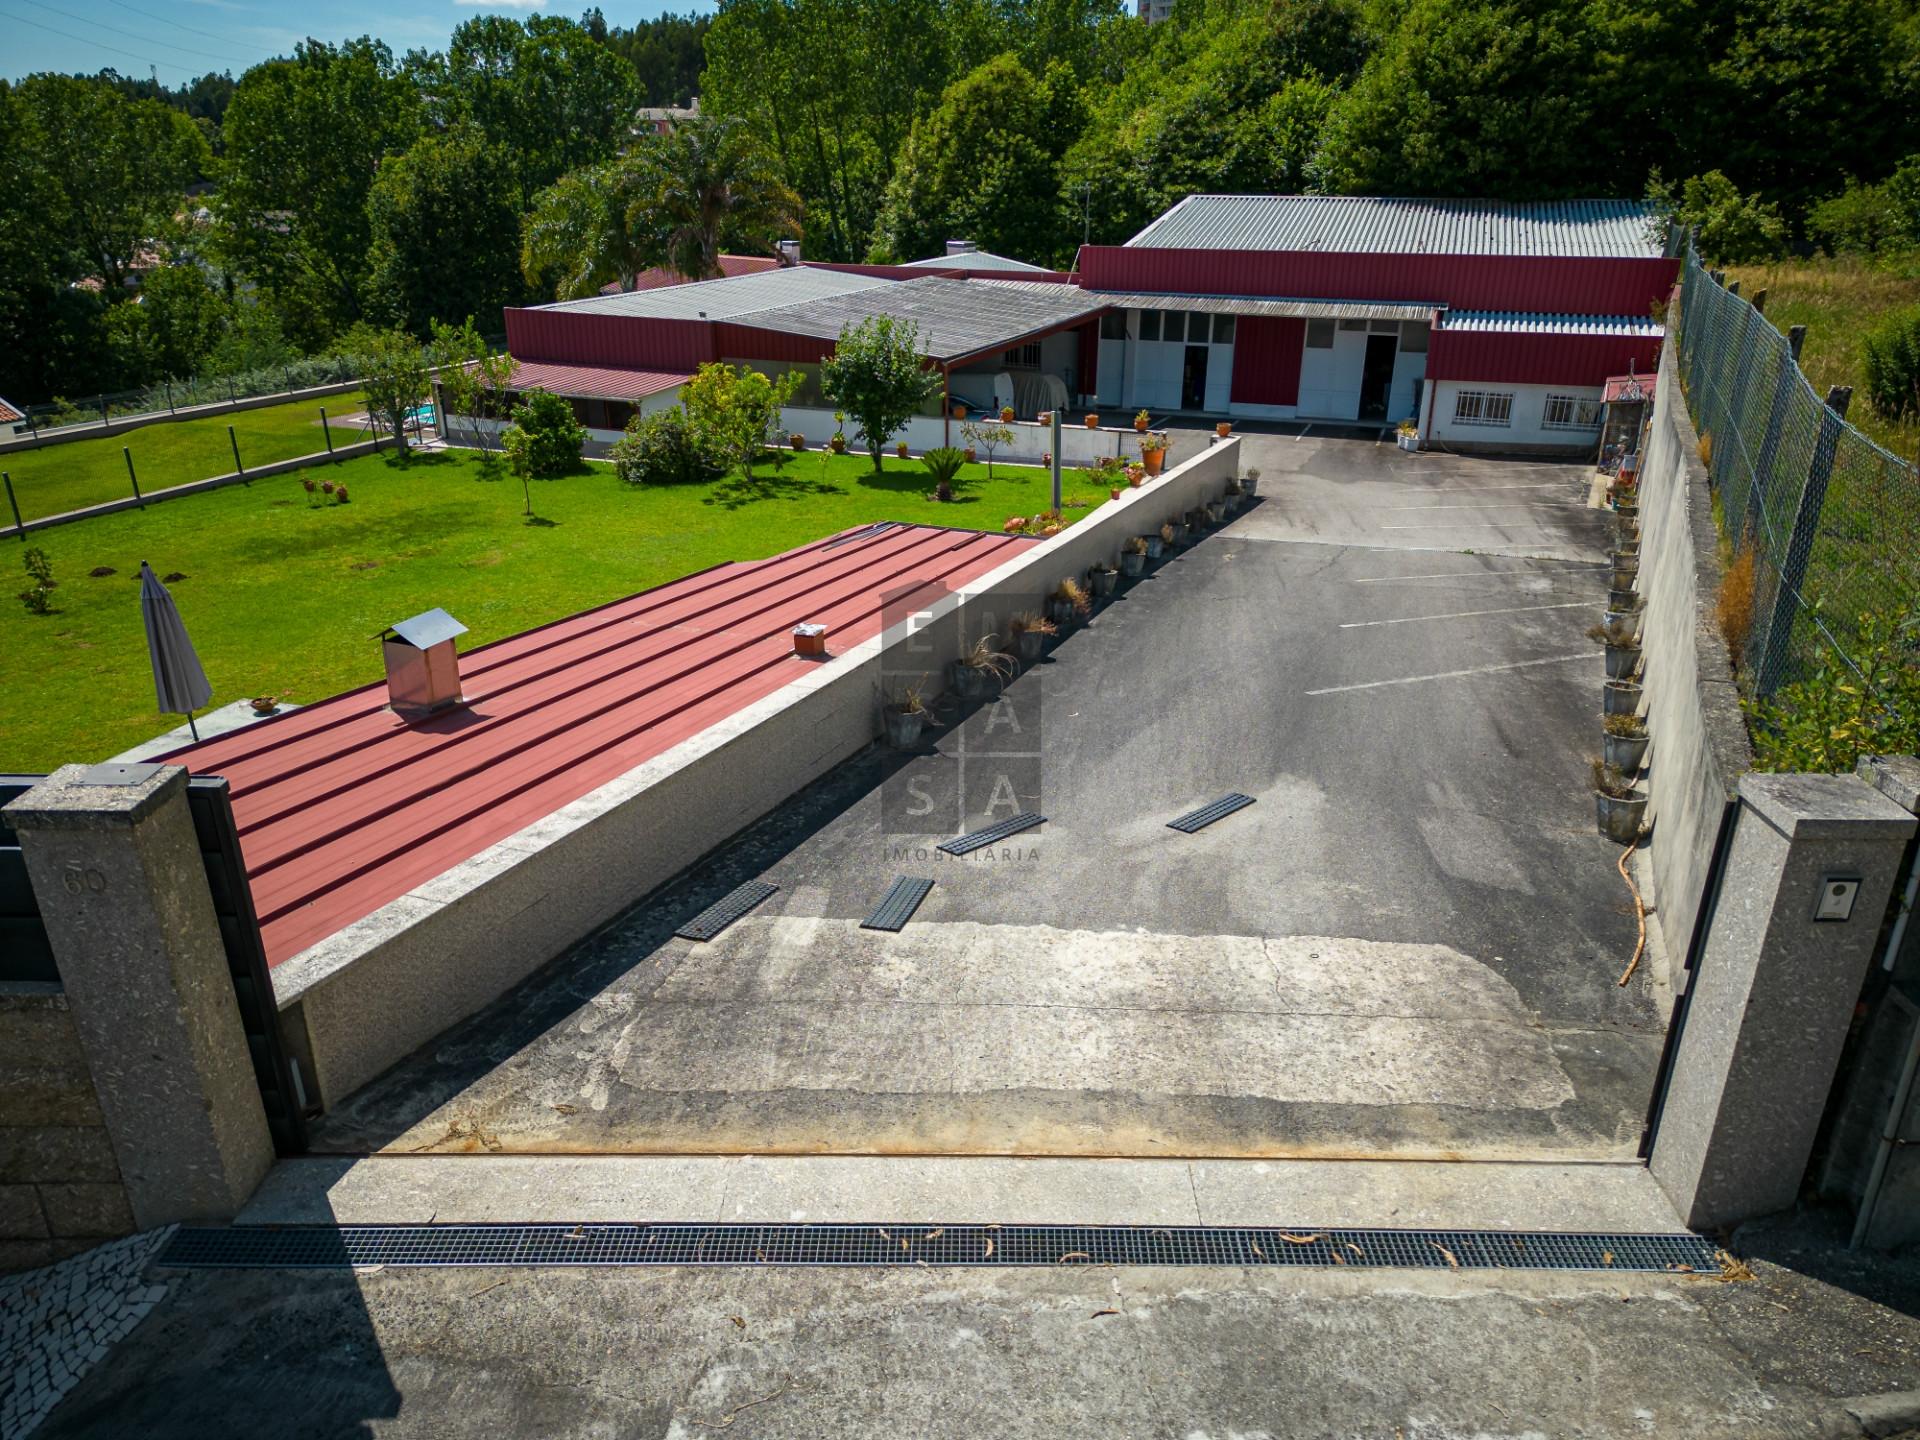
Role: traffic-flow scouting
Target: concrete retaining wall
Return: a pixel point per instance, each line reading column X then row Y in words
column 60, row 1188
column 216, row 482
column 1700, row 746
column 364, row 998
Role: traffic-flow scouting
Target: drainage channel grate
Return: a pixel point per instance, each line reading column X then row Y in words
column 724, row 911
column 328, row 1247
column 993, row 834
column 896, row 907
column 1219, row 810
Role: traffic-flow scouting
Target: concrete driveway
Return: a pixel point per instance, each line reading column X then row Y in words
column 1407, row 946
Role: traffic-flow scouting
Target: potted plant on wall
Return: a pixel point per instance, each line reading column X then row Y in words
column 1223, row 429
column 1617, row 808
column 1626, row 566
column 905, row 715
column 1627, row 617
column 1006, row 414
column 979, row 667
column 1624, row 742
column 1136, row 476
column 1133, row 557
column 1141, row 421
column 959, row 411
column 1030, row 632
column 838, row 443
column 1093, row 422
column 1069, row 602
column 1623, row 649
column 1153, row 452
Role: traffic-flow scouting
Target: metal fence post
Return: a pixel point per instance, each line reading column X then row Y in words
column 326, row 431
column 137, row 497
column 19, row 525
column 104, row 421
column 1806, row 524
column 238, row 468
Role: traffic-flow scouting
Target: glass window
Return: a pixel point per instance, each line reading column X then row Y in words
column 1353, row 325
column 1413, row 337
column 1319, row 334
column 1113, row 325
column 1223, row 329
column 1149, row 324
column 1384, row 327
column 1173, row 326
column 1571, row 412
column 1483, row 407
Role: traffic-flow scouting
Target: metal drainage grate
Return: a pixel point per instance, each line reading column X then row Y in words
column 896, row 907
column 993, row 834
column 327, row 1247
column 1219, row 810
column 724, row 911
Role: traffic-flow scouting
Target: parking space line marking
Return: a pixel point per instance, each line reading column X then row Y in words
column 1467, row 614
column 1454, row 674
column 1530, row 573
column 1489, row 505
column 1451, row 525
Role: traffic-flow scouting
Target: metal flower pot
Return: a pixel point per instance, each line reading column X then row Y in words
column 1216, row 511
column 1250, row 484
column 1179, row 532
column 904, row 727
column 1619, row 819
column 1627, row 620
column 1060, row 612
column 1622, row 697
column 1623, row 598
column 1622, row 661
column 969, row 682
column 1133, row 562
column 1028, row 644
column 1624, row 752
column 1105, row 581
column 1154, row 546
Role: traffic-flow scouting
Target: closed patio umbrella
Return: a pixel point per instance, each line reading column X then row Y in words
column 179, row 684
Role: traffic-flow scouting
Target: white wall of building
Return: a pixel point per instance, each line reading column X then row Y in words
column 1152, row 369
column 1526, row 408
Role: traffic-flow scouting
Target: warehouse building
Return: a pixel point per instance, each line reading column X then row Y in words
column 1489, row 325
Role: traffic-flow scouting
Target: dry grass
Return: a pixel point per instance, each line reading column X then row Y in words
column 1706, row 449
column 1838, row 300
column 1734, row 607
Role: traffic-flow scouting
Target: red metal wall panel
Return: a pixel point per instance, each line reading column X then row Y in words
column 1538, row 359
column 750, row 342
column 1266, row 360
column 580, row 337
column 1555, row 284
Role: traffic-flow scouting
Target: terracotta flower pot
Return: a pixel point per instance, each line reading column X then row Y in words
column 1153, row 459
column 1093, row 422
column 1140, row 425
column 971, row 457
column 901, row 449
column 839, row 444
column 1223, row 429
column 1113, row 494
column 959, row 412
column 1006, row 414
column 797, row 440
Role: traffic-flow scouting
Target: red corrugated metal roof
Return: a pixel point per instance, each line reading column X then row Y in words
column 595, row 382
column 343, row 807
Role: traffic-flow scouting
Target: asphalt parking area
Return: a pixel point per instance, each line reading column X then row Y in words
column 1408, row 945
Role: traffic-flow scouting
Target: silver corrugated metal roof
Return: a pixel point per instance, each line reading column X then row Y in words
column 956, row 317
column 1264, row 305
column 726, row 299
column 1515, row 322
column 972, row 260
column 1390, row 225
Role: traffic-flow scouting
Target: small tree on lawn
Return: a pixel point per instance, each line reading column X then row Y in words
column 875, row 375
column 473, row 381
column 543, row 441
column 736, row 411
column 987, row 435
column 393, row 375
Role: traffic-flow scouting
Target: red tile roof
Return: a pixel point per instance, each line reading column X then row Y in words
column 595, row 381
column 343, row 807
column 8, row 414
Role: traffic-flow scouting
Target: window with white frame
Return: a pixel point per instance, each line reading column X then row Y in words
column 1024, row 357
column 1483, row 407
column 1571, row 412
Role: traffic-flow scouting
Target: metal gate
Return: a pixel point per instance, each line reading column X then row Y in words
column 27, row 954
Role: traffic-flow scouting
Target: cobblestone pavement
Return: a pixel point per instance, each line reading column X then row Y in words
column 56, row 1324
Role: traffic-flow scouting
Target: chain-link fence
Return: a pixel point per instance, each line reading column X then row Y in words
column 1831, row 520
column 174, row 395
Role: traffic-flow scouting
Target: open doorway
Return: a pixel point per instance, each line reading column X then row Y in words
column 1376, row 377
column 1193, row 379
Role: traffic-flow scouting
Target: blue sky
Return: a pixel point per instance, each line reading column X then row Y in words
column 179, row 39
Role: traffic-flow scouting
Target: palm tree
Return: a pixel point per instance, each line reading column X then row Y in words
column 576, row 237
column 708, row 186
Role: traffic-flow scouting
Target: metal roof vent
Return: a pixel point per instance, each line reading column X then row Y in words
column 423, row 671
column 789, row 252
column 961, row 247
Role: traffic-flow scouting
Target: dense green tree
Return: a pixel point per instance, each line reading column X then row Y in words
column 705, row 187
column 575, row 240
column 305, row 138
column 394, row 376
column 667, row 54
column 875, row 375
column 173, row 331
column 735, row 412
column 445, row 233
column 1733, row 228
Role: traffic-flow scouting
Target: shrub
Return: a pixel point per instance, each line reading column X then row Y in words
column 1733, row 609
column 1827, row 721
column 38, row 597
column 1734, row 228
column 665, row 449
column 874, row 375
column 545, row 438
column 1891, row 352
column 943, row 465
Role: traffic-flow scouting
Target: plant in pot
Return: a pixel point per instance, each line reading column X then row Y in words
column 1136, row 476
column 1234, row 496
column 905, row 716
column 838, row 442
column 971, row 454
column 1006, row 414
column 1621, row 697
column 265, row 705
column 1216, row 511
column 1623, row 649
column 1616, row 807
column 1250, row 482
column 1153, row 452
column 1093, row 422
column 1133, row 557
column 1141, row 421
column 1157, row 542
column 900, row 449
column 1030, row 632
column 959, row 411
column 1621, row 599
column 1628, row 616
column 979, row 668
column 1174, row 532
column 1624, row 742
column 1626, row 567
column 797, row 440
column 1069, row 602
column 1104, row 579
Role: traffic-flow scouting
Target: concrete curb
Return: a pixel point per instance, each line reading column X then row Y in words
column 1894, row 1413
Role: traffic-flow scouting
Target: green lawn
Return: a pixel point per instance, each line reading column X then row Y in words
column 170, row 452
column 284, row 597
